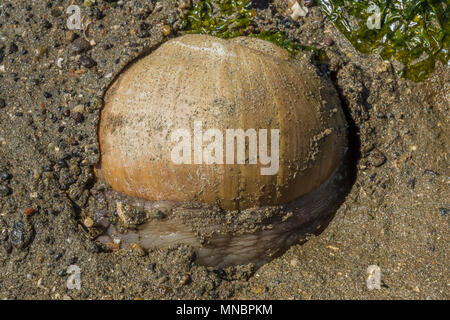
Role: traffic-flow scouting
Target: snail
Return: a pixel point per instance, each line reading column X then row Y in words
column 229, row 146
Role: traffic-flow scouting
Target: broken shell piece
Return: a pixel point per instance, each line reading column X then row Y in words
column 296, row 10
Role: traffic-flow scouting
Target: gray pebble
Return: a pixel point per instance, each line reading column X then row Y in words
column 80, row 45
column 377, row 158
column 18, row 234
column 87, row 62
column 444, row 211
column 4, row 191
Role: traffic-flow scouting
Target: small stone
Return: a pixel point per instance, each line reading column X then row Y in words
column 5, row 175
column 138, row 249
column 112, row 246
column 57, row 256
column 79, row 108
column 87, row 62
column 185, row 279
column 7, row 246
column 444, row 211
column 96, row 103
column 184, row 4
column 55, row 12
column 47, row 24
column 329, row 42
column 98, row 13
column 166, row 30
column 411, row 183
column 66, row 112
column 13, row 48
column 4, row 191
column 294, row 262
column 19, row 235
column 2, row 103
column 259, row 289
column 80, row 45
column 373, row 279
column 87, row 3
column 29, row 212
column 70, row 36
column 430, row 173
column 309, row 3
column 41, row 50
column 143, row 30
column 47, row 95
column 162, row 279
column 88, row 222
column 62, row 273
column 77, row 117
column 377, row 158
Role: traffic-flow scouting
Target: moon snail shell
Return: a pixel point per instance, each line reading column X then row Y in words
column 227, row 211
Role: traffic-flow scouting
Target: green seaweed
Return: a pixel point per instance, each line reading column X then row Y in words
column 414, row 32
column 230, row 18
column 280, row 39
column 222, row 18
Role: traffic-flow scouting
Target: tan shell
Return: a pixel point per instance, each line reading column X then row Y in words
column 227, row 84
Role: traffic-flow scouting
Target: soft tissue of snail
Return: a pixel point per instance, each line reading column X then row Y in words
column 227, row 209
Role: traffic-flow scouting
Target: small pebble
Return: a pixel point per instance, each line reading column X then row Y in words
column 377, row 158
column 309, row 3
column 88, row 222
column 80, row 45
column 66, row 112
column 138, row 249
column 18, row 234
column 329, row 42
column 152, row 267
column 29, row 212
column 411, row 183
column 70, row 36
column 40, row 51
column 13, row 48
column 55, row 12
column 5, row 175
column 87, row 3
column 98, row 13
column 430, row 173
column 79, row 108
column 47, row 24
column 259, row 289
column 4, row 191
column 2, row 103
column 166, row 30
column 143, row 30
column 87, row 62
column 444, row 211
column 185, row 279
column 77, row 117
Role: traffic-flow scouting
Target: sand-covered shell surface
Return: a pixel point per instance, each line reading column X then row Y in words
column 239, row 144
